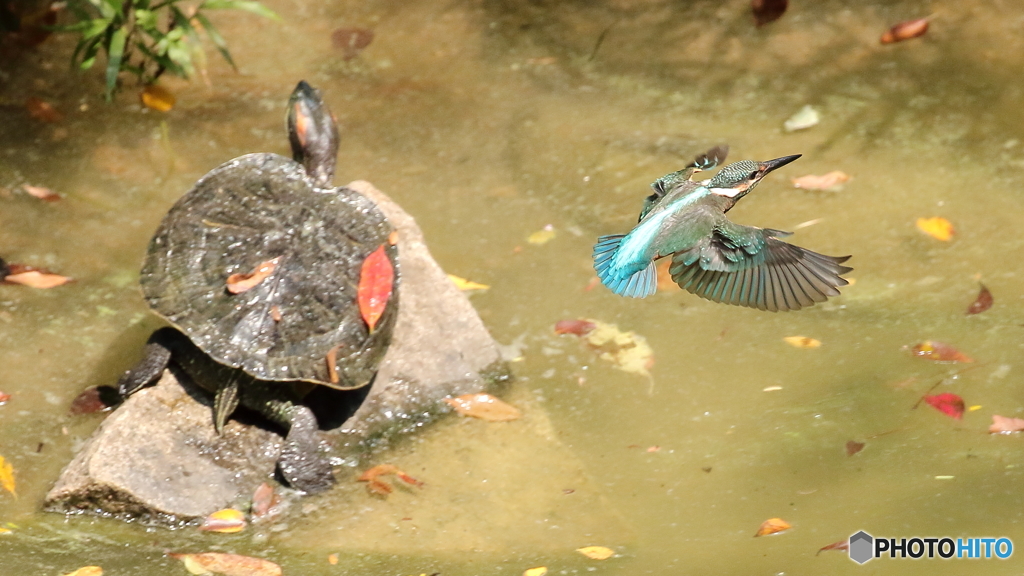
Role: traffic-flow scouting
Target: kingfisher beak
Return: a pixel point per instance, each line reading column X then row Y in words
column 770, row 165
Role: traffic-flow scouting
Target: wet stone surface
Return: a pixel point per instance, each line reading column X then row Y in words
column 158, row 458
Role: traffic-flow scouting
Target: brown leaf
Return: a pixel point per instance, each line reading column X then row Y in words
column 852, row 447
column 156, row 97
column 94, row 399
column 843, row 545
column 939, row 352
column 42, row 111
column 35, row 278
column 905, row 31
column 228, row 564
column 771, row 526
column 238, row 283
column 332, row 364
column 7, row 477
column 1004, row 425
column 983, row 302
column 351, row 41
column 381, row 488
column 484, row 407
column 227, row 521
column 376, row 281
column 264, row 499
column 44, row 194
column 579, row 327
column 766, row 11
column 87, row 571
column 832, row 181
column 4, row 397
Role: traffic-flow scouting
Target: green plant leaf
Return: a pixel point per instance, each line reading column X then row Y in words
column 146, row 19
column 246, row 5
column 216, row 38
column 115, row 51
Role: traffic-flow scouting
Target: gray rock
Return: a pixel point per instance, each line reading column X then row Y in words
column 157, row 457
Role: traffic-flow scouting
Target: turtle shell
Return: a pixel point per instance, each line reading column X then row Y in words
column 251, row 210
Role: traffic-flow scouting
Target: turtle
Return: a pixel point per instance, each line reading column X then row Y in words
column 257, row 270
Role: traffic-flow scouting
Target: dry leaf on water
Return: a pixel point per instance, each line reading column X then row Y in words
column 939, row 352
column 948, row 403
column 771, row 526
column 538, row 571
column 42, row 111
column 833, row 181
column 264, row 499
column 629, row 351
column 156, row 97
column 239, row 283
column 4, row 397
column 1004, row 425
column 44, row 194
column 466, row 285
column 332, row 559
column 852, row 447
column 983, row 302
column 377, row 486
column 351, row 41
column 30, row 276
column 805, row 118
column 580, row 327
column 905, row 31
column 596, row 552
column 843, row 545
column 802, row 342
column 376, row 280
column 227, row 521
column 7, row 477
column 484, row 407
column 766, row 11
column 937, row 227
column 87, row 571
column 228, row 564
column 542, row 236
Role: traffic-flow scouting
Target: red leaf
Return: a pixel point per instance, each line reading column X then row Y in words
column 94, row 399
column 766, row 11
column 376, row 280
column 842, row 545
column 982, row 303
column 578, row 327
column 351, row 41
column 4, row 397
column 852, row 447
column 939, row 352
column 1004, row 425
column 905, row 31
column 948, row 403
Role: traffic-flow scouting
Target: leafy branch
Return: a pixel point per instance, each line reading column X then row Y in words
column 148, row 38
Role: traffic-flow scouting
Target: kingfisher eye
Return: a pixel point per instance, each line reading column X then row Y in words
column 753, row 175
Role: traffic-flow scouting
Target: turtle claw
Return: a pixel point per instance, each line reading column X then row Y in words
column 301, row 464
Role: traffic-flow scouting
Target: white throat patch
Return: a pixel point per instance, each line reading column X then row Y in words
column 727, row 192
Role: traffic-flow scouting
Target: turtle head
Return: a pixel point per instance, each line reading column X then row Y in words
column 737, row 179
column 313, row 133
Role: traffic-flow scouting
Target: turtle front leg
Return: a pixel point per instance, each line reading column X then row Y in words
column 301, row 464
column 155, row 358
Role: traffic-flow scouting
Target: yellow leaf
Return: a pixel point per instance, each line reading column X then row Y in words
column 973, row 408
column 332, row 559
column 156, row 97
column 771, row 526
column 228, row 564
column 484, row 407
column 596, row 552
column 937, row 227
column 227, row 521
column 7, row 476
column 538, row 571
column 87, row 571
column 802, row 342
column 629, row 351
column 5, row 530
column 466, row 285
column 542, row 236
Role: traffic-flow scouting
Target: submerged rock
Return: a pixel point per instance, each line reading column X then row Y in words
column 158, row 458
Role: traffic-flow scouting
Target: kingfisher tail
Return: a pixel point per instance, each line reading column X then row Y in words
column 640, row 284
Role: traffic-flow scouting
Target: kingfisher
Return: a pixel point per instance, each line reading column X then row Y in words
column 711, row 256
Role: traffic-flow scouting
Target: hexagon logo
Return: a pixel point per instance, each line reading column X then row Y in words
column 862, row 547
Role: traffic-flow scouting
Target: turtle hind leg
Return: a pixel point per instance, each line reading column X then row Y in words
column 301, row 464
column 224, row 403
column 155, row 358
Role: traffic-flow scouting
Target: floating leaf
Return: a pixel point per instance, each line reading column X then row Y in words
column 937, row 227
column 772, row 526
column 94, row 399
column 31, row 276
column 264, row 499
column 332, row 559
column 376, row 279
column 228, row 564
column 239, row 283
column 802, row 342
column 542, row 236
column 7, row 476
column 466, row 285
column 538, row 571
column 579, row 327
column 983, row 302
column 227, row 521
column 377, row 486
column 87, row 571
column 1004, row 425
column 484, row 407
column 42, row 111
column 629, row 351
column 805, row 118
column 596, row 552
column 832, row 181
column 939, row 352
column 852, row 447
column 905, row 31
column 351, row 41
column 44, row 194
column 156, row 97
column 766, row 11
column 948, row 403
column 4, row 397
column 843, row 545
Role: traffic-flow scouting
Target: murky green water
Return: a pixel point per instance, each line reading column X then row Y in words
column 488, row 121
